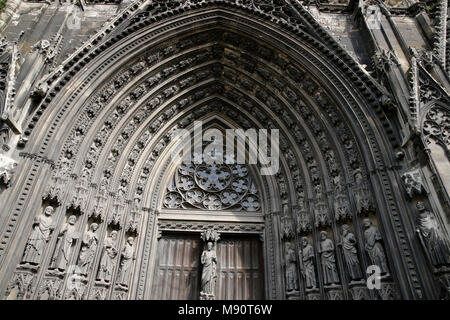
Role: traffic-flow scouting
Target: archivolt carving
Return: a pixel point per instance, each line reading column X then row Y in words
column 271, row 90
column 436, row 127
column 237, row 96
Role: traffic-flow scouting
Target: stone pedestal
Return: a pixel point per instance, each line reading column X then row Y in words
column 293, row 295
column 359, row 290
column 312, row 294
column 334, row 292
column 206, row 296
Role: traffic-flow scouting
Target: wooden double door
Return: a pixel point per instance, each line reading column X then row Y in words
column 240, row 274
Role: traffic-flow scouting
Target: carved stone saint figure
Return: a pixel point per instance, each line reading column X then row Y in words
column 108, row 256
column 88, row 248
column 330, row 274
column 431, row 237
column 348, row 244
column 374, row 247
column 291, row 268
column 361, row 193
column 308, row 263
column 66, row 238
column 209, row 261
column 126, row 262
column 42, row 227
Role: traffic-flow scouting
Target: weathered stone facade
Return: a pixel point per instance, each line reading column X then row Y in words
column 91, row 93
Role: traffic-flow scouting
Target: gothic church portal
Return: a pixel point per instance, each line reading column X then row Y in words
column 93, row 207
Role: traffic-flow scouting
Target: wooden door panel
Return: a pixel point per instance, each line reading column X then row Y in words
column 176, row 272
column 240, row 274
column 240, row 269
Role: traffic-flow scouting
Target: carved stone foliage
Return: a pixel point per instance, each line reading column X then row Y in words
column 7, row 168
column 21, row 284
column 387, row 291
column 436, row 127
column 359, row 291
column 51, row 289
column 413, row 183
column 212, row 187
column 243, row 228
column 303, row 220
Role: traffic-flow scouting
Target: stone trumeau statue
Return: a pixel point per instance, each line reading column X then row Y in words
column 374, row 246
column 107, row 261
column 88, row 249
column 42, row 227
column 64, row 244
column 431, row 237
column 307, row 267
column 348, row 243
column 209, row 262
column 330, row 274
column 291, row 268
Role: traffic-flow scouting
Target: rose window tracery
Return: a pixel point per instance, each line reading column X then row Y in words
column 212, row 186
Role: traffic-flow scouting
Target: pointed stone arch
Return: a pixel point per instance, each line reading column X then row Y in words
column 173, row 67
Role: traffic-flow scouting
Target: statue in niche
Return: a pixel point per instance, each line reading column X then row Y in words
column 330, row 274
column 42, row 227
column 209, row 262
column 431, row 237
column 361, row 193
column 109, row 254
column 348, row 243
column 291, row 268
column 88, row 248
column 66, row 238
column 308, row 271
column 126, row 263
column 374, row 247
